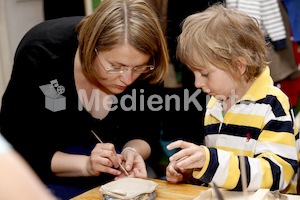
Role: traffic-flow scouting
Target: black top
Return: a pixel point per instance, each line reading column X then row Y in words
column 38, row 125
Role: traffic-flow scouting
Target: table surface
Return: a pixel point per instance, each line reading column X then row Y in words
column 165, row 191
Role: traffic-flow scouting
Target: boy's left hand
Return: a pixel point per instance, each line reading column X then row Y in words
column 190, row 156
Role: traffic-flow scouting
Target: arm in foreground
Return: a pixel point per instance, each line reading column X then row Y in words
column 18, row 180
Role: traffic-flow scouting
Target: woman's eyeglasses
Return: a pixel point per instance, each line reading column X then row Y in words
column 122, row 69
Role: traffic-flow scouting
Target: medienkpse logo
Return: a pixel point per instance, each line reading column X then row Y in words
column 128, row 102
column 55, row 101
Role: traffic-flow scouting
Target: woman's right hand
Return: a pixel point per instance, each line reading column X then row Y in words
column 104, row 158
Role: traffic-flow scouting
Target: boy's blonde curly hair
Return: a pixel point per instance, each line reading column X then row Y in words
column 221, row 36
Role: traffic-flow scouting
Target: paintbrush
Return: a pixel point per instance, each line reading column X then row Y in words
column 217, row 191
column 121, row 166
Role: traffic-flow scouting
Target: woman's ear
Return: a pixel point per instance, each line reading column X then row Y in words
column 241, row 65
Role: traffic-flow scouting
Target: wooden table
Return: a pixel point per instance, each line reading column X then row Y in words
column 165, row 191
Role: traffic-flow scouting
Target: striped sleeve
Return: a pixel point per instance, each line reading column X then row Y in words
column 273, row 23
column 268, row 15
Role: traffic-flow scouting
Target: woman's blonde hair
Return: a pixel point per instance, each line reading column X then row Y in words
column 117, row 22
column 220, row 36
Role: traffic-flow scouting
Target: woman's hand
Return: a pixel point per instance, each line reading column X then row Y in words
column 104, row 158
column 133, row 163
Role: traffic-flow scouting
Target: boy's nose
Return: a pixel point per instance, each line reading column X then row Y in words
column 199, row 80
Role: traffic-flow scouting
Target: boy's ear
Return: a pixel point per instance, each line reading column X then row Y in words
column 241, row 65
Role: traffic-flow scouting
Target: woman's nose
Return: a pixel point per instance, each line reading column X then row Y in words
column 127, row 77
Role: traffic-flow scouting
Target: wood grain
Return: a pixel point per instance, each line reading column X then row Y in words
column 165, row 191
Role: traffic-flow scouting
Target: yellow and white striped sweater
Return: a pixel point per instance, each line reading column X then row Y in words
column 261, row 127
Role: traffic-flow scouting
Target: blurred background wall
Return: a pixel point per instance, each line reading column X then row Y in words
column 16, row 18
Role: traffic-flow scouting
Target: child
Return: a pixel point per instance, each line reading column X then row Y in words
column 246, row 116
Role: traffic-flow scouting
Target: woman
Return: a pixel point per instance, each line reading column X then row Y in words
column 72, row 76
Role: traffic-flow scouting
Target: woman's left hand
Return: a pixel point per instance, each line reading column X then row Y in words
column 133, row 163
